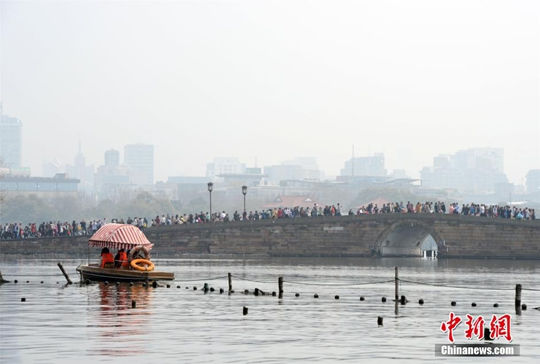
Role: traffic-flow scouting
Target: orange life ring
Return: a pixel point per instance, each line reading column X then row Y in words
column 146, row 265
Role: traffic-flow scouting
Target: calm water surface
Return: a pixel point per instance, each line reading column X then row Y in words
column 96, row 323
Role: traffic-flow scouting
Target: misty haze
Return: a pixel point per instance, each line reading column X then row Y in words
column 211, row 181
column 339, row 103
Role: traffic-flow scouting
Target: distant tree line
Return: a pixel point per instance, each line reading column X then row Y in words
column 31, row 208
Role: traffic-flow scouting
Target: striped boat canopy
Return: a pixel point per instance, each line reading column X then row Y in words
column 119, row 236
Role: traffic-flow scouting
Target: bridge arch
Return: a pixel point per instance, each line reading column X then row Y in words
column 408, row 238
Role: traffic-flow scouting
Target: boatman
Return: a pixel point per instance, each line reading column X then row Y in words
column 107, row 259
column 121, row 259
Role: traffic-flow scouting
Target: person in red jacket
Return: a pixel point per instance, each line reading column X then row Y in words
column 107, row 259
column 121, row 259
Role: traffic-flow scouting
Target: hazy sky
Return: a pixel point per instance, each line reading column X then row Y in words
column 274, row 80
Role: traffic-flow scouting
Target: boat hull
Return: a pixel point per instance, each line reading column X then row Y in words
column 95, row 273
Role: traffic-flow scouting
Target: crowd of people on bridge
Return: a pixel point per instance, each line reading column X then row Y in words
column 265, row 214
column 472, row 209
column 16, row 231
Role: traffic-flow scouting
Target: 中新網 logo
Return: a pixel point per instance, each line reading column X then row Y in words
column 499, row 327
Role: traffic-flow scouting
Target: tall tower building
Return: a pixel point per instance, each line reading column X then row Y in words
column 139, row 158
column 82, row 172
column 111, row 179
column 10, row 141
column 112, row 158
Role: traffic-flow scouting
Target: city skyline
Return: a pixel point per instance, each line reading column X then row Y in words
column 333, row 168
column 474, row 170
column 405, row 80
column 203, row 169
column 49, row 168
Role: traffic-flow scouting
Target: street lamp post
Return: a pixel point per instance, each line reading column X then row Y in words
column 244, row 192
column 210, row 188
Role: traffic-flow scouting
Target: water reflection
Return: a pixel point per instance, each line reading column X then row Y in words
column 121, row 323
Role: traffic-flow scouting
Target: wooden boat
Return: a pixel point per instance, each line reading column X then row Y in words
column 121, row 236
column 94, row 273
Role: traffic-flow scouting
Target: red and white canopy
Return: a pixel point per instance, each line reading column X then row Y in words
column 119, row 236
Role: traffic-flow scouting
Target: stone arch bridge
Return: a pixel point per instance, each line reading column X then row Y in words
column 345, row 236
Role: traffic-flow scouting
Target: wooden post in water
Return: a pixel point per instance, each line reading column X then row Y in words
column 229, row 275
column 518, row 299
column 396, row 293
column 64, row 273
column 280, row 287
column 2, row 280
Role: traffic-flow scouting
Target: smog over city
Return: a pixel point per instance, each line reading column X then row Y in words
column 211, row 181
column 269, row 81
column 286, row 90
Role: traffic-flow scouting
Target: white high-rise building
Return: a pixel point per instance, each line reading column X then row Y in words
column 111, row 179
column 533, row 181
column 372, row 166
column 112, row 158
column 139, row 159
column 490, row 159
column 10, row 141
column 221, row 166
column 477, row 170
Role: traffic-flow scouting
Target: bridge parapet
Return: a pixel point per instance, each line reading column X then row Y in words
column 345, row 236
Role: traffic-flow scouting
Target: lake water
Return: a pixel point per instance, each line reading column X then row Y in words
column 91, row 323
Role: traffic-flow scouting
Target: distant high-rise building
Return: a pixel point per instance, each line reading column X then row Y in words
column 533, row 181
column 81, row 171
column 489, row 159
column 139, row 159
column 112, row 158
column 10, row 141
column 111, row 179
column 477, row 170
column 310, row 169
column 372, row 166
column 221, row 166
